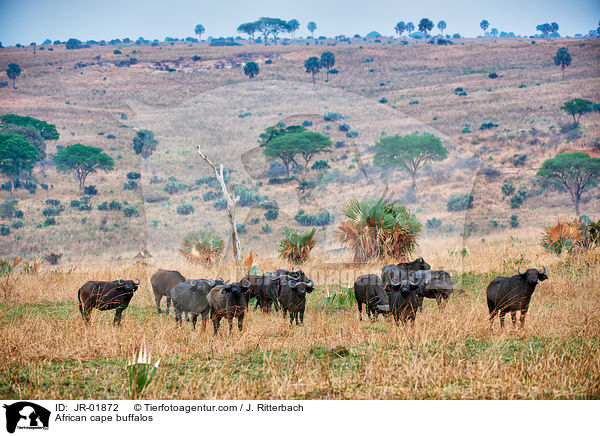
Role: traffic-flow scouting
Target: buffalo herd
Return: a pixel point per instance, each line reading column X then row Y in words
column 399, row 293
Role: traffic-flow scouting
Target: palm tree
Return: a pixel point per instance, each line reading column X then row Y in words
column 327, row 62
column 296, row 247
column 312, row 26
column 376, row 229
column 251, row 69
column 12, row 72
column 199, row 30
column 313, row 66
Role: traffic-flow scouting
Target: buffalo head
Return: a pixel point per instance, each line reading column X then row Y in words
column 130, row 285
column 532, row 276
column 301, row 287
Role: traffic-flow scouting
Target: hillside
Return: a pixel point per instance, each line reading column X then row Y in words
column 99, row 98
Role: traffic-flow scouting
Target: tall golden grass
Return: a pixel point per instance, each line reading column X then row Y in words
column 47, row 352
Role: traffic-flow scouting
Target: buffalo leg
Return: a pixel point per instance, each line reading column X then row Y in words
column 240, row 322
column 204, row 319
column 168, row 304
column 502, row 315
column 194, row 319
column 284, row 310
column 157, row 299
column 513, row 316
column 216, row 321
column 359, row 310
column 230, row 321
column 302, row 317
column 86, row 314
column 117, row 320
column 177, row 316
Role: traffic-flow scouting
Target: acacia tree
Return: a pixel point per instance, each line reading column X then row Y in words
column 199, row 30
column 312, row 26
column 16, row 155
column 144, row 144
column 400, row 28
column 410, row 27
column 562, row 58
column 313, row 66
column 308, row 145
column 251, row 69
column 293, row 25
column 249, row 29
column 84, row 160
column 484, row 25
column 577, row 107
column 327, row 62
column 409, row 153
column 575, row 171
column 425, row 25
column 272, row 26
column 13, row 71
column 286, row 151
column 442, row 26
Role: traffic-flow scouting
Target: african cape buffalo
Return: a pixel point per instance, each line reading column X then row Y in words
column 162, row 281
column 432, row 284
column 403, row 270
column 369, row 290
column 106, row 296
column 191, row 296
column 512, row 294
column 227, row 301
column 292, row 295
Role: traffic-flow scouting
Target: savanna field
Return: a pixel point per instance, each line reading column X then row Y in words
column 46, row 352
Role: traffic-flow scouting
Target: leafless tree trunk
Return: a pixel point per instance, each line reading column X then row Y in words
column 237, row 252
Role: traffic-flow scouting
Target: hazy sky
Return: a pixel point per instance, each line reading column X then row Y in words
column 25, row 21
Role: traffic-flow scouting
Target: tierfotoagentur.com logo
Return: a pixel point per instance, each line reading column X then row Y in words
column 25, row 415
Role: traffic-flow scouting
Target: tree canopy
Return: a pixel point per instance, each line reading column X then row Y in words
column 84, row 160
column 251, row 69
column 144, row 144
column 425, row 25
column 313, row 66
column 409, row 153
column 410, row 27
column 293, row 25
column 311, row 26
column 199, row 30
column 47, row 130
column 484, row 25
column 327, row 62
column 400, row 28
column 272, row 26
column 577, row 107
column 442, row 26
column 575, row 171
column 13, row 71
column 16, row 155
column 249, row 28
column 562, row 58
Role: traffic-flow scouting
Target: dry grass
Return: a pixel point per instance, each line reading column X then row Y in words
column 46, row 352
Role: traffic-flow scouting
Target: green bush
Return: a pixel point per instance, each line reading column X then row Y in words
column 212, row 195
column 332, row 116
column 271, row 214
column 185, row 209
column 4, row 230
column 131, row 211
column 50, row 222
column 487, row 125
column 514, row 221
column 254, row 221
column 434, row 224
column 52, row 211
column 83, row 204
column 241, row 229
column 7, row 209
column 132, row 175
column 322, row 219
column 220, row 204
column 508, row 189
column 320, row 165
column 248, row 197
column 131, row 185
column 456, row 203
column 493, row 76
column 266, row 228
column 17, row 224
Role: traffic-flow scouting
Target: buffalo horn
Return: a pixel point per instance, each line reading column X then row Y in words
column 211, row 282
column 120, row 281
column 193, row 282
column 138, row 281
column 518, row 271
column 310, row 283
column 294, row 285
column 544, row 272
column 394, row 283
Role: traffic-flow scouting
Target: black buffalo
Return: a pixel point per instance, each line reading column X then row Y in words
column 369, row 290
column 512, row 294
column 402, row 271
column 162, row 281
column 433, row 284
column 265, row 288
column 292, row 295
column 228, row 301
column 106, row 296
column 191, row 296
column 403, row 298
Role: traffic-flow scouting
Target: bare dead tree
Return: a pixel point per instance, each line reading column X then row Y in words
column 237, row 251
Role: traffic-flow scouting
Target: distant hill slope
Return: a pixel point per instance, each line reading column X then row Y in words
column 95, row 98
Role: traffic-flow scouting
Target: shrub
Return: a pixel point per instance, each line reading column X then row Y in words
column 296, row 247
column 344, row 127
column 352, row 134
column 155, row 180
column 248, row 197
column 220, row 204
column 254, row 221
column 383, row 100
column 514, row 221
column 201, row 248
column 320, row 165
column 117, row 51
column 90, row 190
column 493, row 76
column 132, row 175
column 307, row 123
column 52, row 211
column 460, row 91
column 266, row 228
column 131, row 185
column 487, row 125
column 53, row 202
column 172, row 187
column 4, row 230
column 212, row 195
column 280, row 180
column 457, row 203
column 413, row 102
column 434, row 224
column 563, row 236
column 18, row 213
column 377, row 229
column 131, row 211
column 44, row 186
column 518, row 159
column 494, row 223
column 17, row 224
column 50, row 222
column 7, row 209
column 271, row 214
column 185, row 209
column 83, row 204
column 333, row 71
column 241, row 229
column 322, row 219
column 508, row 189
column 332, row 116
